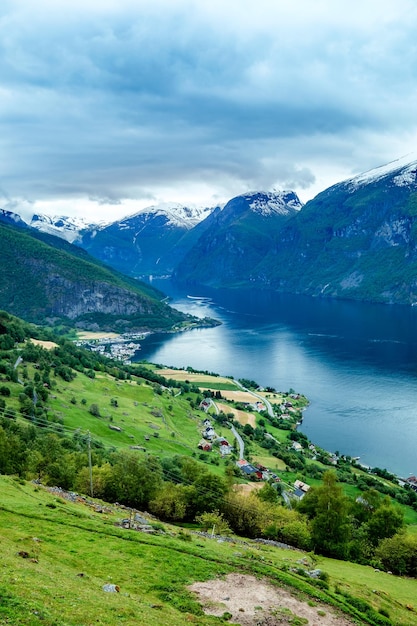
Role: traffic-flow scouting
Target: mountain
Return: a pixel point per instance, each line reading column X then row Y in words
column 236, row 239
column 357, row 240
column 68, row 228
column 46, row 279
column 9, row 217
column 150, row 242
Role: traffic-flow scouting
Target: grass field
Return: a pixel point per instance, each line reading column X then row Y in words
column 58, row 555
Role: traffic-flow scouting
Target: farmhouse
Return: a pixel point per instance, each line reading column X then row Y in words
column 204, row 445
column 209, row 433
column 249, row 469
column 205, row 404
column 300, row 485
column 412, row 482
column 300, row 489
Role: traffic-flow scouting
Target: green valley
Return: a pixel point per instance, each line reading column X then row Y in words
column 105, row 478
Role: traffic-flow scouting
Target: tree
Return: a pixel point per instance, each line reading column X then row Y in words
column 328, row 507
column 94, row 410
column 248, row 430
column 102, row 480
column 135, row 482
column 385, row 522
column 210, row 491
column 170, row 502
column 213, row 522
column 268, row 493
column 295, row 533
column 398, row 554
column 246, row 515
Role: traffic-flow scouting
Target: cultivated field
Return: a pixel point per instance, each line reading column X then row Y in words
column 195, row 377
column 48, row 345
column 241, row 416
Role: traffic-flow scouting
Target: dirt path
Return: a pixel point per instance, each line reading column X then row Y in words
column 254, row 602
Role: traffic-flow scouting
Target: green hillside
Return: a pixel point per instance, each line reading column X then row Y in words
column 58, row 555
column 45, row 279
column 75, row 421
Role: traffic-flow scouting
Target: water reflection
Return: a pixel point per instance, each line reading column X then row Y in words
column 356, row 363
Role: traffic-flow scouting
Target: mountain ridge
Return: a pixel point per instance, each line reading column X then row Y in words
column 46, row 280
column 356, row 239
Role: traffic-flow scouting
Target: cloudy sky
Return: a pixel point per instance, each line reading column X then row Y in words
column 112, row 105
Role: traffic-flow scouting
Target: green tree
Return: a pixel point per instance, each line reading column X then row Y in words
column 328, row 508
column 135, row 482
column 94, row 410
column 295, row 533
column 170, row 502
column 398, row 554
column 246, row 515
column 210, row 491
column 102, row 480
column 268, row 493
column 213, row 522
column 385, row 522
column 5, row 452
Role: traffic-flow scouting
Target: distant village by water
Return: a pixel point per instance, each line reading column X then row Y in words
column 119, row 347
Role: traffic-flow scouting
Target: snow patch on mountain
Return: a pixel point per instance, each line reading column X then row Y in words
column 177, row 214
column 406, row 168
column 11, row 217
column 67, row 228
column 274, row 202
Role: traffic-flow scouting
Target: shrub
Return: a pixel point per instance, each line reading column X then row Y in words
column 94, row 410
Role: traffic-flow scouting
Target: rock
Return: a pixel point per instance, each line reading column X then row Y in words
column 110, row 588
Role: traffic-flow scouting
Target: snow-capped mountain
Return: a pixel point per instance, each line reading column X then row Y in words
column 357, row 240
column 273, row 202
column 9, row 217
column 238, row 237
column 175, row 214
column 149, row 242
column 402, row 173
column 68, row 228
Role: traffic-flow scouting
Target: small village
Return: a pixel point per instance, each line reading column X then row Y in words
column 257, row 472
column 119, row 347
column 253, row 471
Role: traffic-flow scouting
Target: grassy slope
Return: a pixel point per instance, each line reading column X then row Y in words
column 32, row 262
column 164, row 425
column 152, row 571
column 77, row 540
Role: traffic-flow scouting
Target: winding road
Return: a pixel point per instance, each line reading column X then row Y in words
column 239, row 439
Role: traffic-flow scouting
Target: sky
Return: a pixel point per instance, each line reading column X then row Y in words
column 110, row 106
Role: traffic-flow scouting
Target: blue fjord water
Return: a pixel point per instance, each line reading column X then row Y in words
column 356, row 362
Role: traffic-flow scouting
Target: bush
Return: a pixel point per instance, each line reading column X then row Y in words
column 398, row 554
column 213, row 522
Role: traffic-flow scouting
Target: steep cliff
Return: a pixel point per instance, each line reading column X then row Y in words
column 41, row 283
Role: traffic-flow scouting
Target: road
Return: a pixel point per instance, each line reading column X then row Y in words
column 240, row 442
column 257, row 395
column 234, row 431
